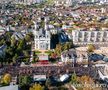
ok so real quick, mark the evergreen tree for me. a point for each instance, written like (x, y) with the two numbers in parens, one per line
(74, 78)
(24, 80)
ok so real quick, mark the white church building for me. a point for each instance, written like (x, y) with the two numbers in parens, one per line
(42, 37)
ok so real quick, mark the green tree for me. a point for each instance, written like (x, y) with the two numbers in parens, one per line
(28, 38)
(15, 58)
(13, 41)
(9, 53)
(26, 54)
(21, 44)
(24, 80)
(74, 78)
(8, 34)
(2, 41)
(50, 2)
(48, 82)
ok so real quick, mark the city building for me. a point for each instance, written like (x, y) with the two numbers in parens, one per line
(26, 2)
(93, 1)
(84, 37)
(103, 72)
(42, 38)
(102, 1)
(63, 2)
(18, 35)
(82, 54)
(68, 56)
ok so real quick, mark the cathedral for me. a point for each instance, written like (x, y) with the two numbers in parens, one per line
(42, 37)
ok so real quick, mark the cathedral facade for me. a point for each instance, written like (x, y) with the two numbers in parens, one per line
(42, 37)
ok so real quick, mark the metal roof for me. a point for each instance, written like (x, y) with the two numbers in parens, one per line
(12, 87)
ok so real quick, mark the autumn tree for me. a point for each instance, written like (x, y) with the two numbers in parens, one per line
(6, 79)
(36, 87)
(58, 49)
(91, 48)
(67, 46)
(86, 83)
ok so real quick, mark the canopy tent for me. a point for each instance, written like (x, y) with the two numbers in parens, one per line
(64, 77)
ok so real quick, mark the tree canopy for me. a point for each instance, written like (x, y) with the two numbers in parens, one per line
(36, 87)
(24, 80)
(91, 48)
(6, 79)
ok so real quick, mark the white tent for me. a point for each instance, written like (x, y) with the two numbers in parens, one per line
(39, 77)
(64, 77)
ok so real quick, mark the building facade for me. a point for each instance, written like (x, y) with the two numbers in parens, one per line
(42, 38)
(81, 37)
(98, 1)
(63, 2)
(26, 2)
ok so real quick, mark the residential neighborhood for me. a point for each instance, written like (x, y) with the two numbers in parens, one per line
(54, 45)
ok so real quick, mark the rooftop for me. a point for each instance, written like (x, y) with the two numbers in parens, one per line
(15, 87)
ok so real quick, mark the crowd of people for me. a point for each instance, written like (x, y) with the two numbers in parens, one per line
(49, 70)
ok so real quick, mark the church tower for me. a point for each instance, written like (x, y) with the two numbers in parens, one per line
(48, 34)
(36, 36)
